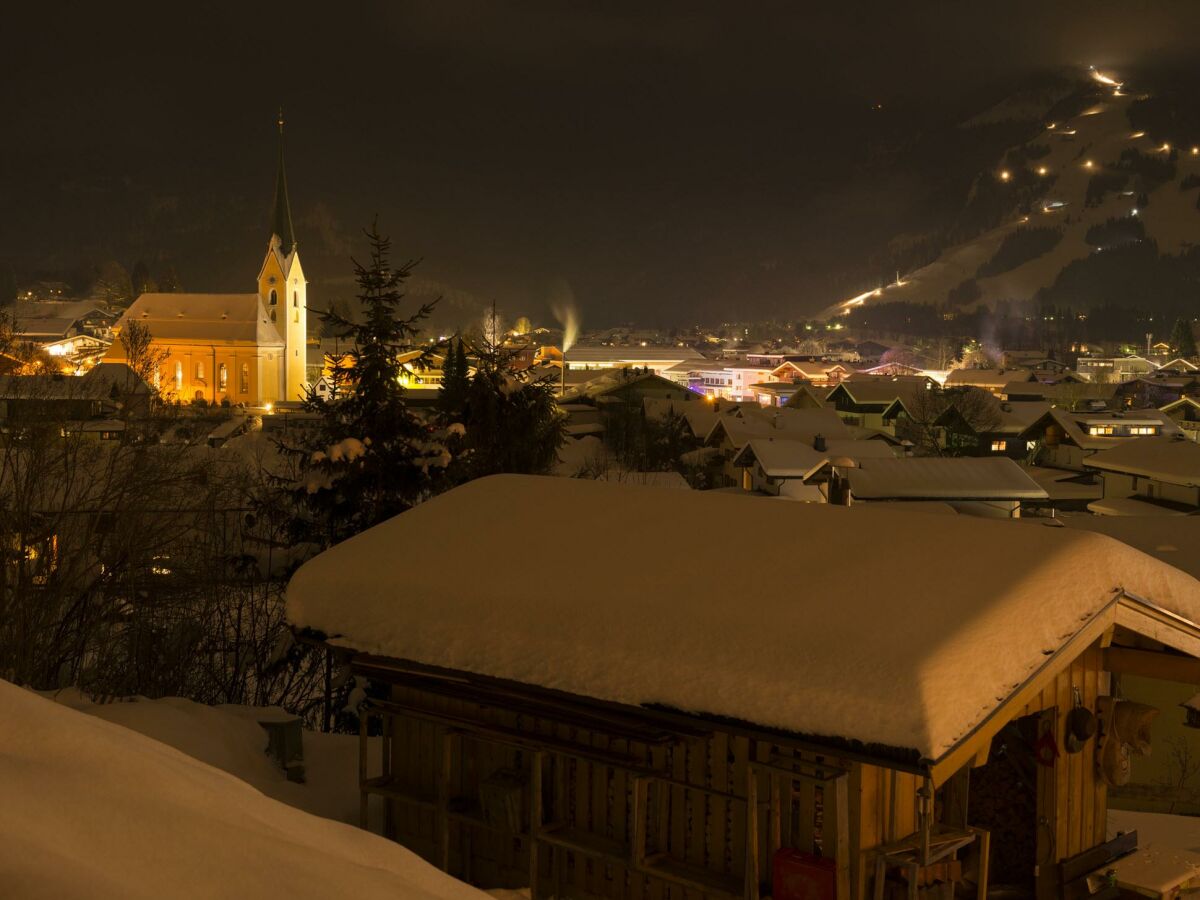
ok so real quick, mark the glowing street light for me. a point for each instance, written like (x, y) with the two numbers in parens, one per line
(1005, 175)
(1088, 164)
(1042, 170)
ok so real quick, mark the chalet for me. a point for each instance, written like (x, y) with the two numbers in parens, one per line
(1148, 476)
(1064, 439)
(628, 385)
(994, 431)
(1113, 368)
(661, 728)
(871, 401)
(1157, 390)
(992, 380)
(806, 397)
(1069, 395)
(1180, 366)
(982, 487)
(108, 391)
(779, 463)
(656, 359)
(1186, 413)
(48, 321)
(769, 464)
(816, 372)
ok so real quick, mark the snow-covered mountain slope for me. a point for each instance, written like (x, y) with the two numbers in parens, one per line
(1075, 150)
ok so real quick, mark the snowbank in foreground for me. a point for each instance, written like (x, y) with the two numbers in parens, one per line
(229, 738)
(896, 628)
(91, 809)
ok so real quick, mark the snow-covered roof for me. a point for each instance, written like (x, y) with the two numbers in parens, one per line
(868, 650)
(1173, 460)
(782, 458)
(987, 378)
(943, 478)
(203, 317)
(93, 809)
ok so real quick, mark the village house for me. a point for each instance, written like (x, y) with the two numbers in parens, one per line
(993, 431)
(859, 738)
(992, 380)
(817, 373)
(798, 467)
(1064, 439)
(1076, 396)
(656, 359)
(876, 401)
(994, 487)
(1113, 368)
(1186, 413)
(1148, 476)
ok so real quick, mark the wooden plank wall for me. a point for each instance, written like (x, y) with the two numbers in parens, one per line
(702, 829)
(1072, 799)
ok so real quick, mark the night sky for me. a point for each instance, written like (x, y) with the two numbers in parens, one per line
(661, 162)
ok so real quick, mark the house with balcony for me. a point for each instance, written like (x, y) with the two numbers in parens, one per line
(1064, 440)
(1148, 476)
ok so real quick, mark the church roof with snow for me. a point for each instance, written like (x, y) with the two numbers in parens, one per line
(204, 317)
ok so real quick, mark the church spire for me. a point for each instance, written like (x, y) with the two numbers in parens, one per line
(281, 223)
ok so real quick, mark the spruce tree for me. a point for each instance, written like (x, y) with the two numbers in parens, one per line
(1182, 339)
(455, 381)
(371, 457)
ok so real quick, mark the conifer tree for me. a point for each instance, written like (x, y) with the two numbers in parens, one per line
(456, 380)
(371, 457)
(1182, 339)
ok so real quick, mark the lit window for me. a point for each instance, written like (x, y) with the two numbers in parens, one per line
(199, 371)
(178, 376)
(244, 380)
(222, 376)
(999, 446)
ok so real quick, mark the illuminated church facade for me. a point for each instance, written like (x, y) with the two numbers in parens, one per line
(244, 348)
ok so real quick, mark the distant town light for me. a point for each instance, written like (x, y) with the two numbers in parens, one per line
(1005, 175)
(1042, 170)
(1088, 164)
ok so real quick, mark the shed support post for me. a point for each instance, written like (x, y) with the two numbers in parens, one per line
(751, 877)
(535, 823)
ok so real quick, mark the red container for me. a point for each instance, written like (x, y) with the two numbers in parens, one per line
(797, 875)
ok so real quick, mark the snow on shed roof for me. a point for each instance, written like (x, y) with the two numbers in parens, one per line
(1174, 460)
(944, 478)
(782, 458)
(866, 651)
(203, 317)
(94, 809)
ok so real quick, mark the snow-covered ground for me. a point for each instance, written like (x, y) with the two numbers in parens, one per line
(1168, 854)
(229, 738)
(92, 809)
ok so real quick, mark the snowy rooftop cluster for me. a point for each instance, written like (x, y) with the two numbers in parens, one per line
(900, 629)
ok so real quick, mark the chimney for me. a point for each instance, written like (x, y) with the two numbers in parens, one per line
(819, 443)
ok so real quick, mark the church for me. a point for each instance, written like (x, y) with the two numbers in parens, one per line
(245, 348)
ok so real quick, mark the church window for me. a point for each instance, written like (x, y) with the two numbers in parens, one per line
(178, 376)
(295, 298)
(222, 376)
(199, 371)
(296, 316)
(272, 315)
(274, 297)
(244, 382)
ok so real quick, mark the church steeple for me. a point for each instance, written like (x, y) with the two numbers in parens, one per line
(281, 223)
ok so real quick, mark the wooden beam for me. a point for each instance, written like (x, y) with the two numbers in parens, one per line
(981, 737)
(1149, 664)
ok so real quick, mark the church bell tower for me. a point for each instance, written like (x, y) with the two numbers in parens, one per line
(284, 289)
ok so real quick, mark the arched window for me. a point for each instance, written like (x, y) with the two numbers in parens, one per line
(222, 376)
(296, 298)
(200, 371)
(274, 297)
(244, 381)
(272, 315)
(178, 376)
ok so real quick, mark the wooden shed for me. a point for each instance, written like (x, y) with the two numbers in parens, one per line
(659, 726)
